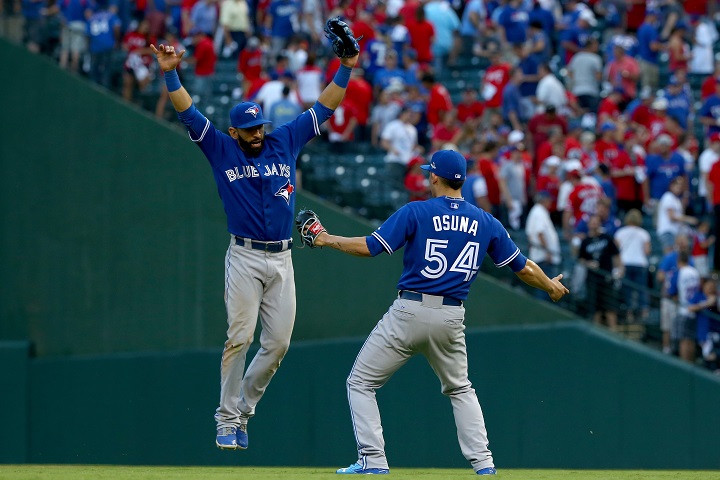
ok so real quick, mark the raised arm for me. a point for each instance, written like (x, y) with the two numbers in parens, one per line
(335, 91)
(168, 60)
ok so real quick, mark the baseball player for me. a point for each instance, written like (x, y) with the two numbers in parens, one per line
(255, 176)
(445, 240)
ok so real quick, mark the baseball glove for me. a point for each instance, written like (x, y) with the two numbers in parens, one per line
(341, 38)
(309, 226)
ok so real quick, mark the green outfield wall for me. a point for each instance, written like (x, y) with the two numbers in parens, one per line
(562, 395)
(112, 235)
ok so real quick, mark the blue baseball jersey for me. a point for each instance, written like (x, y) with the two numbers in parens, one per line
(711, 108)
(258, 193)
(445, 242)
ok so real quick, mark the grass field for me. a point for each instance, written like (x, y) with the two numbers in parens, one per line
(99, 472)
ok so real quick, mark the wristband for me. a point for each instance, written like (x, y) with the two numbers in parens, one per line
(172, 80)
(342, 76)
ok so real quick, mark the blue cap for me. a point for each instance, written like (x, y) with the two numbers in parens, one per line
(247, 115)
(447, 164)
(608, 126)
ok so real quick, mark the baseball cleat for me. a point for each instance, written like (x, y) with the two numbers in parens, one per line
(487, 471)
(242, 437)
(356, 468)
(227, 438)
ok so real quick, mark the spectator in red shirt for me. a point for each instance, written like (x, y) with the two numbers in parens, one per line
(549, 181)
(204, 58)
(439, 100)
(641, 115)
(625, 172)
(447, 131)
(341, 126)
(606, 147)
(707, 89)
(415, 182)
(713, 188)
(623, 72)
(489, 170)
(470, 108)
(554, 144)
(657, 120)
(359, 94)
(496, 77)
(363, 27)
(540, 124)
(250, 66)
(422, 34)
(609, 108)
(136, 72)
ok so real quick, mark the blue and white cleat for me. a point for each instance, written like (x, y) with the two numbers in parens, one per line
(242, 437)
(357, 469)
(487, 471)
(227, 438)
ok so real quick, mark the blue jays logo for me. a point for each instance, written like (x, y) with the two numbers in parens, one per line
(253, 111)
(285, 191)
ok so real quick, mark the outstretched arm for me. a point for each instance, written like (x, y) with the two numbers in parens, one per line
(354, 246)
(533, 275)
(168, 60)
(335, 91)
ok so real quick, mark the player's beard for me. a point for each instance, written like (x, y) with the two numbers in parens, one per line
(248, 147)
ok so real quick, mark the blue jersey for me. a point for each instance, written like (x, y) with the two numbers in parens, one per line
(711, 108)
(284, 17)
(515, 23)
(101, 29)
(679, 108)
(661, 172)
(446, 240)
(257, 192)
(647, 34)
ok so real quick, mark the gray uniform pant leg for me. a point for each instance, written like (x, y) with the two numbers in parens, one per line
(446, 352)
(438, 333)
(256, 283)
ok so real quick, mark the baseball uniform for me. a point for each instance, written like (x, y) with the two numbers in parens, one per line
(258, 194)
(445, 241)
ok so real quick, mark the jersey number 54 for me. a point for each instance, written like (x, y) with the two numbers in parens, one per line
(465, 263)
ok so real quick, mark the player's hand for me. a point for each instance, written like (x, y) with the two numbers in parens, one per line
(559, 290)
(322, 239)
(350, 61)
(167, 58)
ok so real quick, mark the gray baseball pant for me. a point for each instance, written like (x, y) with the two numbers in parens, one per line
(256, 282)
(437, 332)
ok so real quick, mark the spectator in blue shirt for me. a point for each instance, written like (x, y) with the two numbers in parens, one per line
(33, 34)
(514, 23)
(663, 167)
(511, 110)
(389, 73)
(544, 17)
(649, 50)
(540, 48)
(72, 39)
(103, 32)
(710, 111)
(204, 16)
(283, 111)
(679, 104)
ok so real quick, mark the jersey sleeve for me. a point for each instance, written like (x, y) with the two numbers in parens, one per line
(393, 234)
(202, 132)
(305, 127)
(502, 249)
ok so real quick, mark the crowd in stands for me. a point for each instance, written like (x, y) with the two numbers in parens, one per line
(593, 127)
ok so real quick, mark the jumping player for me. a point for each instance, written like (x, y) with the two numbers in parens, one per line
(255, 175)
(445, 240)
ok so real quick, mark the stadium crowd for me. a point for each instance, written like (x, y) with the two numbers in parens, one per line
(593, 127)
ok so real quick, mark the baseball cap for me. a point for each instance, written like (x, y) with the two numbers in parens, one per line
(516, 136)
(664, 139)
(715, 137)
(247, 115)
(660, 104)
(608, 126)
(552, 161)
(587, 15)
(447, 164)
